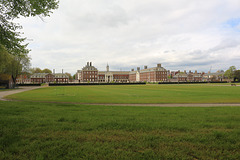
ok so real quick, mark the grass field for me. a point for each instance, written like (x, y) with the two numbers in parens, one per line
(32, 130)
(37, 130)
(134, 94)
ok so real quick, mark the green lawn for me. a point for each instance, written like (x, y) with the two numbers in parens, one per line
(135, 94)
(32, 130)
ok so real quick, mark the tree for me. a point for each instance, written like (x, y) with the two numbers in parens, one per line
(13, 65)
(16, 65)
(11, 9)
(237, 75)
(4, 58)
(35, 70)
(46, 70)
(12, 46)
(230, 72)
(38, 70)
(74, 76)
(69, 75)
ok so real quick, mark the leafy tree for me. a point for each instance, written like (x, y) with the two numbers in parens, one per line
(16, 65)
(11, 9)
(12, 46)
(46, 70)
(230, 72)
(4, 58)
(69, 75)
(237, 75)
(34, 70)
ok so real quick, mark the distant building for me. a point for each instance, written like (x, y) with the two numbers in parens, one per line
(188, 77)
(23, 79)
(215, 76)
(154, 74)
(49, 78)
(89, 73)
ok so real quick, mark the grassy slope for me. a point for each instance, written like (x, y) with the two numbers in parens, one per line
(135, 94)
(60, 131)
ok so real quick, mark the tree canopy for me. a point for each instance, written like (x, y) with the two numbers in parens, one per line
(230, 72)
(46, 70)
(38, 70)
(237, 75)
(13, 50)
(69, 75)
(11, 9)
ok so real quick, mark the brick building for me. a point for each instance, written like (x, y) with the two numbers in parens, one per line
(154, 74)
(49, 78)
(90, 73)
(188, 77)
(23, 79)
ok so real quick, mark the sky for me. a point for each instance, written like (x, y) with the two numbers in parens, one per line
(179, 34)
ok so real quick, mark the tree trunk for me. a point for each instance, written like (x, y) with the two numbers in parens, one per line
(14, 81)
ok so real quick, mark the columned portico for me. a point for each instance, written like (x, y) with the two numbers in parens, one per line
(108, 77)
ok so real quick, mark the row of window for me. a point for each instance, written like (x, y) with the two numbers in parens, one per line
(90, 76)
(90, 80)
(161, 72)
(91, 72)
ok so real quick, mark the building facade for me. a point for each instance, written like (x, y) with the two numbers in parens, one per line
(188, 77)
(49, 78)
(154, 74)
(89, 73)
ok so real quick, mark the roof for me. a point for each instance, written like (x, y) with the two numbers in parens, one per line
(180, 75)
(89, 68)
(215, 73)
(43, 75)
(113, 72)
(153, 69)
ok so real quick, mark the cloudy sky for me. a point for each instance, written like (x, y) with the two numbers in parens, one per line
(179, 34)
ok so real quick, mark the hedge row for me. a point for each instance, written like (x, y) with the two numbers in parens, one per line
(191, 82)
(29, 84)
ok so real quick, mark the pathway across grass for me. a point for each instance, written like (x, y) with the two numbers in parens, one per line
(6, 92)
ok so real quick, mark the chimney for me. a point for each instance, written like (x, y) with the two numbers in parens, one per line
(62, 71)
(87, 63)
(190, 71)
(159, 65)
(145, 67)
(53, 71)
(195, 71)
(138, 68)
(90, 63)
(185, 71)
(133, 69)
(178, 71)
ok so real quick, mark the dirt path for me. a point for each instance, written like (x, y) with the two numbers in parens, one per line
(171, 104)
(21, 89)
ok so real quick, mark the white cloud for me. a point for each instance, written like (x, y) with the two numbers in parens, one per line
(180, 34)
